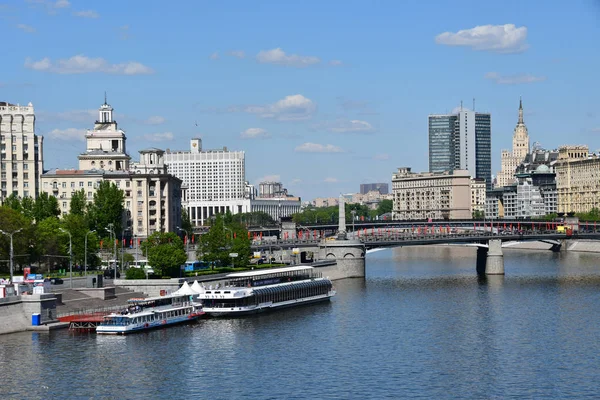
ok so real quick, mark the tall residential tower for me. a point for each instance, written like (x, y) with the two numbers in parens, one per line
(461, 141)
(22, 155)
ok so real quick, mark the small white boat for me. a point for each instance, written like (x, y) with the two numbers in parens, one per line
(150, 313)
(256, 291)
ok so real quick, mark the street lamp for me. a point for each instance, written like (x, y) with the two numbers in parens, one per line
(111, 231)
(85, 251)
(187, 242)
(10, 234)
(70, 257)
(353, 212)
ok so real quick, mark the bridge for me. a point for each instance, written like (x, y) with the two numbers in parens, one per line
(488, 238)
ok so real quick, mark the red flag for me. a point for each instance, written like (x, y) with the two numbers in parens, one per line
(192, 238)
(124, 242)
(130, 242)
(139, 242)
(248, 235)
(261, 235)
(101, 244)
(185, 239)
(117, 242)
(234, 235)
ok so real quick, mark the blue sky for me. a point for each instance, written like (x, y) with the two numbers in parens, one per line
(322, 95)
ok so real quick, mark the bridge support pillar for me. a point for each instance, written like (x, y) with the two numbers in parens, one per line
(349, 256)
(482, 253)
(495, 258)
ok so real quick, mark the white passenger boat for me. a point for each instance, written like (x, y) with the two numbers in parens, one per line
(256, 291)
(150, 313)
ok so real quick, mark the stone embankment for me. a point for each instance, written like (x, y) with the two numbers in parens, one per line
(589, 246)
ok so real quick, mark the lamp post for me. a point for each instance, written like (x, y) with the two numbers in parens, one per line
(111, 231)
(353, 212)
(10, 234)
(85, 253)
(187, 242)
(70, 257)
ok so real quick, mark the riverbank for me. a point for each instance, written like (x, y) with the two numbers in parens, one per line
(587, 246)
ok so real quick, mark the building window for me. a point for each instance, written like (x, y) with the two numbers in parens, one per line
(25, 167)
(80, 184)
(90, 184)
(72, 185)
(64, 204)
(64, 185)
(89, 195)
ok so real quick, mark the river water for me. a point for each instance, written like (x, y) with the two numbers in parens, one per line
(421, 325)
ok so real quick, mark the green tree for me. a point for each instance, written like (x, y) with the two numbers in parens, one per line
(13, 201)
(385, 206)
(77, 225)
(223, 239)
(11, 221)
(256, 218)
(135, 273)
(107, 208)
(49, 243)
(165, 253)
(478, 214)
(45, 207)
(28, 207)
(240, 244)
(78, 203)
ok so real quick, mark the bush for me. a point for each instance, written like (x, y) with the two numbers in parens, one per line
(135, 273)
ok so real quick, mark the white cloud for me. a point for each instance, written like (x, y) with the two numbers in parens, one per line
(513, 79)
(237, 53)
(381, 157)
(83, 116)
(81, 64)
(86, 14)
(270, 178)
(155, 120)
(352, 126)
(68, 134)
(330, 180)
(335, 63)
(498, 38)
(158, 137)
(62, 4)
(214, 56)
(291, 108)
(255, 133)
(278, 56)
(318, 148)
(26, 28)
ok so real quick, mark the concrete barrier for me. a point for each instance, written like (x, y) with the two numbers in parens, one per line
(16, 311)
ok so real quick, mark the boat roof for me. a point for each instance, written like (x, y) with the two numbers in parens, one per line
(168, 296)
(268, 271)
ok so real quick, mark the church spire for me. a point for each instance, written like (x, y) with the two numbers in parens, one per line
(520, 111)
(105, 103)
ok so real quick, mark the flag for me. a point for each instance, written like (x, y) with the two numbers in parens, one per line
(101, 244)
(234, 235)
(185, 239)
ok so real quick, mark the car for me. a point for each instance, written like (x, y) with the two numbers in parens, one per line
(56, 281)
(110, 274)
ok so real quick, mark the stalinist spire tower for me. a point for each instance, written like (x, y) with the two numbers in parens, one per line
(520, 149)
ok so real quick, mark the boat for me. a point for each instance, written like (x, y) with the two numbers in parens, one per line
(257, 291)
(149, 313)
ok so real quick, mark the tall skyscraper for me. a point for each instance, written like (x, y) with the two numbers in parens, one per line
(461, 141)
(520, 149)
(22, 154)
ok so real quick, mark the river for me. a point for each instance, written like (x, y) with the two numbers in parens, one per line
(421, 325)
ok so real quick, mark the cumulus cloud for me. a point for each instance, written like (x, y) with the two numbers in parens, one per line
(86, 14)
(291, 108)
(330, 180)
(318, 148)
(158, 137)
(254, 133)
(513, 79)
(50, 6)
(155, 120)
(26, 28)
(497, 38)
(81, 64)
(237, 53)
(352, 126)
(68, 134)
(84, 116)
(279, 57)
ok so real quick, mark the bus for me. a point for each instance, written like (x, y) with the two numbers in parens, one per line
(196, 265)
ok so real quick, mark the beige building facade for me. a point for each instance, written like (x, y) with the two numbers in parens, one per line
(22, 155)
(420, 196)
(577, 179)
(152, 196)
(520, 148)
(478, 191)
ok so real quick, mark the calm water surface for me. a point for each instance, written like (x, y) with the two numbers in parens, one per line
(421, 325)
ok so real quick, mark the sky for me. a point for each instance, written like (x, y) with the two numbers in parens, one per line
(321, 95)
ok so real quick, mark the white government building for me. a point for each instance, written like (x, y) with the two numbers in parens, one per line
(152, 196)
(216, 184)
(22, 159)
